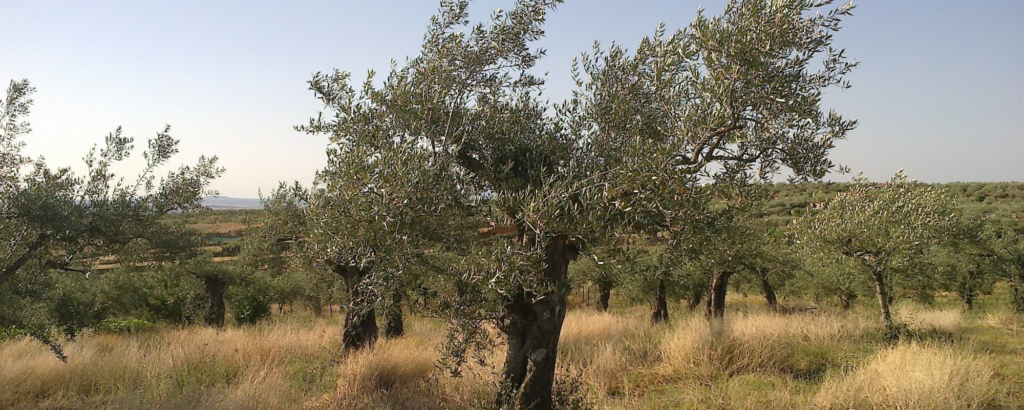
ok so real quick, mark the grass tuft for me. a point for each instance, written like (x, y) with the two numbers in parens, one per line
(913, 376)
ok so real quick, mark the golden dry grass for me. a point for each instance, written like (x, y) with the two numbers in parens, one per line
(923, 319)
(193, 367)
(749, 342)
(913, 376)
(753, 360)
(402, 374)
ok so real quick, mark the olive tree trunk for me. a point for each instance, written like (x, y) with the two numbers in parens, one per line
(716, 294)
(531, 327)
(215, 292)
(881, 290)
(395, 325)
(769, 294)
(360, 317)
(605, 290)
(660, 304)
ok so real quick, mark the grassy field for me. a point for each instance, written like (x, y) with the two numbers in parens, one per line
(755, 360)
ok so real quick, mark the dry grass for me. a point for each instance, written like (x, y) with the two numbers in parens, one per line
(402, 374)
(752, 360)
(606, 348)
(193, 367)
(922, 319)
(750, 342)
(913, 376)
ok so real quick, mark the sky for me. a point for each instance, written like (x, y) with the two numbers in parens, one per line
(939, 92)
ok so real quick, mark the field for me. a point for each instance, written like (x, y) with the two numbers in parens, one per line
(827, 359)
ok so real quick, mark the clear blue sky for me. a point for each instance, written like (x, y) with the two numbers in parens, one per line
(940, 91)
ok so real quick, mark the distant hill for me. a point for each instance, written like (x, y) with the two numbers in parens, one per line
(224, 202)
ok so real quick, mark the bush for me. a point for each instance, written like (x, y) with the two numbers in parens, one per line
(11, 333)
(124, 326)
(174, 297)
(251, 308)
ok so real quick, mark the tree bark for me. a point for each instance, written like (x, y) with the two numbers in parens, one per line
(605, 296)
(967, 291)
(395, 326)
(360, 317)
(215, 292)
(532, 326)
(891, 332)
(769, 294)
(717, 292)
(660, 304)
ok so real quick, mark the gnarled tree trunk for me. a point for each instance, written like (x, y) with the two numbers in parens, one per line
(394, 326)
(532, 329)
(716, 294)
(660, 304)
(360, 317)
(215, 292)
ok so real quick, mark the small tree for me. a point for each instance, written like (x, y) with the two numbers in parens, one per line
(885, 227)
(1008, 248)
(966, 262)
(53, 221)
(603, 269)
(216, 278)
(831, 275)
(386, 195)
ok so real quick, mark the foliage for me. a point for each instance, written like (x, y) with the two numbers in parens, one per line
(463, 122)
(251, 307)
(886, 229)
(53, 222)
(111, 325)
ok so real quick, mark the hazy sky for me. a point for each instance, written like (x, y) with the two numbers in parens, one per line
(940, 89)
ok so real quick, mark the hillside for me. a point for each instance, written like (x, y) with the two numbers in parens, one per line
(1000, 202)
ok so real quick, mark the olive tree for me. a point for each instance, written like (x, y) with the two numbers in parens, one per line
(1007, 246)
(729, 99)
(54, 221)
(966, 262)
(624, 155)
(885, 227)
(386, 196)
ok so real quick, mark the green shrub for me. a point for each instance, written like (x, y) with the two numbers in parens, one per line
(11, 333)
(124, 326)
(251, 308)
